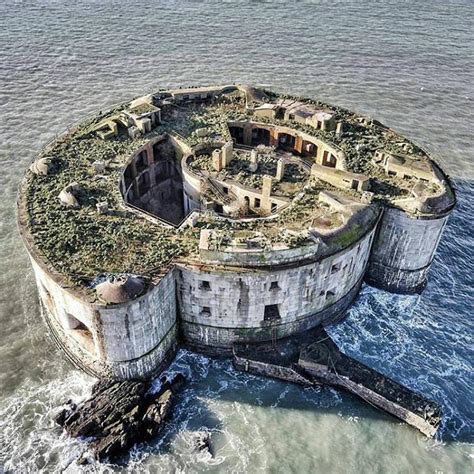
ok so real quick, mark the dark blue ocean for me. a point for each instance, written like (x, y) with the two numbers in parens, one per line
(410, 64)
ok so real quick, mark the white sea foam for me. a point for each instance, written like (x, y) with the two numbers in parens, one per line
(58, 63)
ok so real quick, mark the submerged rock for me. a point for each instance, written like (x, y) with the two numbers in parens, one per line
(119, 414)
(202, 442)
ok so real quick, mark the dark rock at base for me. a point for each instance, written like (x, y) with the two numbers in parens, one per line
(119, 414)
(64, 412)
(203, 442)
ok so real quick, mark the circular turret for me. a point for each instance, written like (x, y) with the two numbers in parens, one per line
(119, 289)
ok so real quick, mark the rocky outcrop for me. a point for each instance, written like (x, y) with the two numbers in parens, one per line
(118, 415)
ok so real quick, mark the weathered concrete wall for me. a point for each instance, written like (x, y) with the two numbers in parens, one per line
(258, 257)
(403, 250)
(271, 370)
(191, 188)
(129, 340)
(133, 329)
(221, 307)
(66, 309)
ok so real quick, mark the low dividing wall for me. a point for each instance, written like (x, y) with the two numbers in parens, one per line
(271, 370)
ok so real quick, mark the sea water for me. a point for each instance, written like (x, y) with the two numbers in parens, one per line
(409, 64)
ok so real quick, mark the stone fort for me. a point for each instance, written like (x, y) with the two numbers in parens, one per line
(212, 216)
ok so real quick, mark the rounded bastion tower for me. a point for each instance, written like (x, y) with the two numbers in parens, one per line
(218, 215)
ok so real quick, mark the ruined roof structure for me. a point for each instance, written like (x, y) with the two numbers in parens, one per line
(212, 216)
(284, 171)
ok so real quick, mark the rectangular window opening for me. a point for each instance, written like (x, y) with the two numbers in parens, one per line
(205, 285)
(272, 313)
(274, 285)
(206, 311)
(79, 331)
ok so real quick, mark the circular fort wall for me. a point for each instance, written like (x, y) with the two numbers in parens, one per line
(403, 250)
(134, 339)
(221, 307)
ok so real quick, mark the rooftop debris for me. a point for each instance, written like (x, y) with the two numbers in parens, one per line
(89, 231)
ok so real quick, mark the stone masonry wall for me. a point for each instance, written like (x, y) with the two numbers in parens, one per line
(222, 307)
(403, 250)
(130, 340)
(133, 329)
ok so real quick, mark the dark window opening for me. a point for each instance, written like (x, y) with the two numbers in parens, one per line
(156, 152)
(218, 208)
(271, 313)
(309, 149)
(225, 190)
(247, 200)
(79, 331)
(260, 136)
(237, 134)
(291, 117)
(141, 162)
(392, 173)
(144, 182)
(274, 206)
(330, 294)
(335, 268)
(257, 202)
(205, 285)
(329, 160)
(286, 141)
(355, 184)
(274, 285)
(206, 311)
